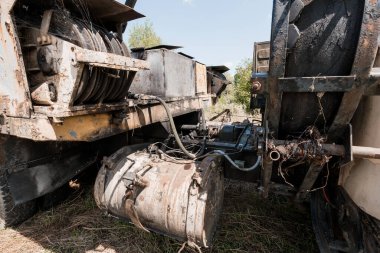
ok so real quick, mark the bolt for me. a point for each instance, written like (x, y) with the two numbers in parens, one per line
(256, 86)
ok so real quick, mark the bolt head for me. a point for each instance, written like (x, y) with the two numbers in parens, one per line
(256, 86)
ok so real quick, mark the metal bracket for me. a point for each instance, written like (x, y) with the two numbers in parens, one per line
(106, 60)
(310, 179)
(318, 84)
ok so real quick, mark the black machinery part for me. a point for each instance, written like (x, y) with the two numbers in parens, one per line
(29, 170)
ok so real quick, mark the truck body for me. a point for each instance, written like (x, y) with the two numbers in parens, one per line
(70, 90)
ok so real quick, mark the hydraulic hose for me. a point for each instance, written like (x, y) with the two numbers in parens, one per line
(172, 125)
(182, 147)
(254, 167)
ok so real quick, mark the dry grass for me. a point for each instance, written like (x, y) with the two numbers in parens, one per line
(248, 224)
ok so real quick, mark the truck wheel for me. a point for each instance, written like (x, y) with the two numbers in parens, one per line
(321, 216)
(329, 33)
(371, 233)
(11, 214)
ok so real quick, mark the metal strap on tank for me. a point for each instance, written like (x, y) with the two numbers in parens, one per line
(194, 221)
(134, 182)
(192, 209)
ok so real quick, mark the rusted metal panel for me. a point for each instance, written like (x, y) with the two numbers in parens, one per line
(279, 38)
(14, 90)
(105, 60)
(90, 127)
(261, 57)
(201, 78)
(114, 13)
(216, 80)
(170, 75)
(277, 62)
(182, 200)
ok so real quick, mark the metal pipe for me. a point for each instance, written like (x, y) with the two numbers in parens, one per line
(275, 155)
(331, 149)
(366, 152)
(171, 121)
(189, 127)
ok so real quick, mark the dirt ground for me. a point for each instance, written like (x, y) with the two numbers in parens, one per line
(248, 224)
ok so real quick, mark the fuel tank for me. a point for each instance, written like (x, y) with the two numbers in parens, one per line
(361, 178)
(181, 199)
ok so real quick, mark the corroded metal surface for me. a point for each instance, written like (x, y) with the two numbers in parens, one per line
(180, 199)
(277, 62)
(111, 61)
(261, 55)
(14, 90)
(74, 68)
(36, 168)
(84, 127)
(170, 75)
(216, 80)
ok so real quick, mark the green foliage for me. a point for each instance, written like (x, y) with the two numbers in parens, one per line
(143, 35)
(237, 96)
(242, 81)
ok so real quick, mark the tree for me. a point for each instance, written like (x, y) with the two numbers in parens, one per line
(242, 83)
(143, 35)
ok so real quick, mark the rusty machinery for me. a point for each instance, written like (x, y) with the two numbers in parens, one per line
(316, 83)
(65, 76)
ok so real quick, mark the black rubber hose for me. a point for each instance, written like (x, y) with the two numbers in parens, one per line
(172, 125)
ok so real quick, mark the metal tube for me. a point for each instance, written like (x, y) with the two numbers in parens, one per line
(172, 124)
(332, 149)
(366, 152)
(274, 155)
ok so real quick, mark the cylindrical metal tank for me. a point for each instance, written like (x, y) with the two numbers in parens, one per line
(361, 180)
(181, 199)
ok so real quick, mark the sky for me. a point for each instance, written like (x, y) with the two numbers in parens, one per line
(215, 32)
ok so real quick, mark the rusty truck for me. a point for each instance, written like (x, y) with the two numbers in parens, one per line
(71, 92)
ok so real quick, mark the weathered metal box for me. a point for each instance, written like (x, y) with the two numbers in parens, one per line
(170, 75)
(261, 57)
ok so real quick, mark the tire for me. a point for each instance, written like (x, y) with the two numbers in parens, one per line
(11, 214)
(326, 47)
(322, 223)
(329, 36)
(371, 233)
